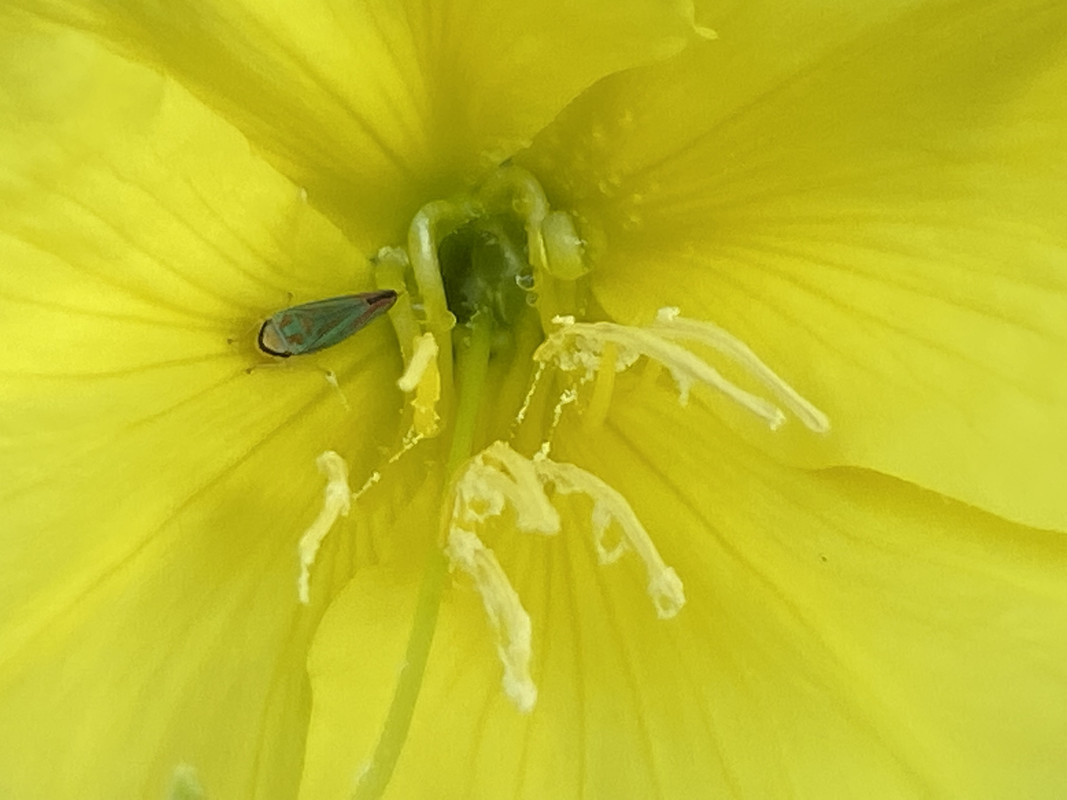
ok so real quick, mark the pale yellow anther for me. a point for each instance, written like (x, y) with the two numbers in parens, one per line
(424, 377)
(507, 617)
(564, 249)
(610, 508)
(583, 348)
(336, 502)
(499, 478)
(671, 325)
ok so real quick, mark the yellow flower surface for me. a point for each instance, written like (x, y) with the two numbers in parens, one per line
(861, 596)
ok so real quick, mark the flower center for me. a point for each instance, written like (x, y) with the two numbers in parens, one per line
(486, 270)
(480, 280)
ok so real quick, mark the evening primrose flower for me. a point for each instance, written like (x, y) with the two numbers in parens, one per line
(725, 373)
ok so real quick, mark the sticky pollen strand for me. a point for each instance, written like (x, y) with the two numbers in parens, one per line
(336, 503)
(433, 221)
(524, 409)
(372, 480)
(566, 398)
(507, 617)
(411, 439)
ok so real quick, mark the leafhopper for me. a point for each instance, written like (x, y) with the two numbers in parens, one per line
(313, 326)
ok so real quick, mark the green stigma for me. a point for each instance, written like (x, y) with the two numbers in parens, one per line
(485, 267)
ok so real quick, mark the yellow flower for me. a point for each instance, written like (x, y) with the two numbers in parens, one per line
(869, 199)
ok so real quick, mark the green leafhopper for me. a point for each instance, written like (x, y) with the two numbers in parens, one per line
(308, 327)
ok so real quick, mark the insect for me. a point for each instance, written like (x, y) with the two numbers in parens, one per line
(313, 326)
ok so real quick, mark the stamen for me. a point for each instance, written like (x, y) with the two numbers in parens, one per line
(507, 617)
(424, 378)
(580, 347)
(499, 477)
(430, 224)
(664, 586)
(391, 264)
(671, 325)
(472, 363)
(553, 250)
(564, 249)
(336, 503)
(529, 202)
(424, 351)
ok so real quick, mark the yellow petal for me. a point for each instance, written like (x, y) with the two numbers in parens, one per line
(881, 220)
(154, 491)
(377, 107)
(846, 635)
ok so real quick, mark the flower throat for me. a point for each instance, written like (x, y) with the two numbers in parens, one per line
(497, 279)
(485, 269)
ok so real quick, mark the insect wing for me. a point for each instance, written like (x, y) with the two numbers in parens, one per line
(322, 323)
